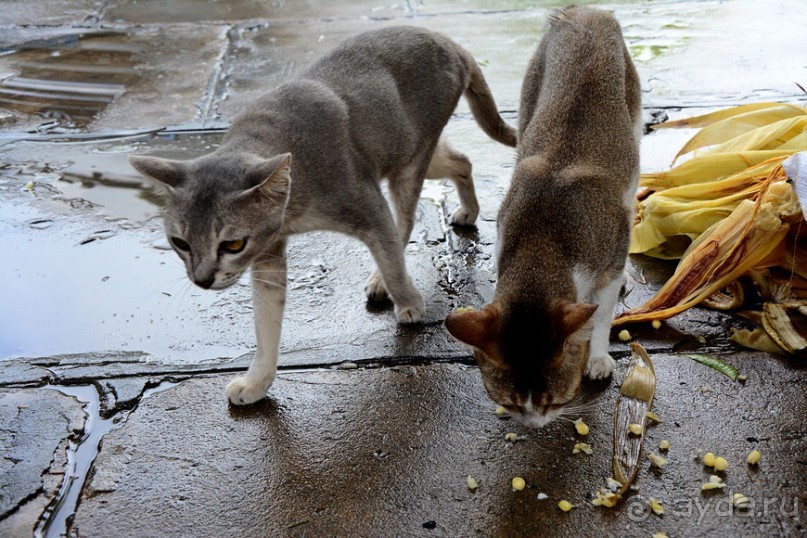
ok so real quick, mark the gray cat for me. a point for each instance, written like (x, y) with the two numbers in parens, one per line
(372, 108)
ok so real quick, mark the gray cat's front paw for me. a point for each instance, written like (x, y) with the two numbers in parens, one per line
(600, 367)
(374, 288)
(412, 312)
(462, 217)
(244, 391)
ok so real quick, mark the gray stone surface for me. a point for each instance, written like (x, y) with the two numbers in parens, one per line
(383, 451)
(34, 427)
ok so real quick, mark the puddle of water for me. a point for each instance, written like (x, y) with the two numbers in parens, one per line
(68, 79)
(55, 521)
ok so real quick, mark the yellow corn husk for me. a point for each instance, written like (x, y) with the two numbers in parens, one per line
(709, 167)
(728, 299)
(734, 112)
(777, 324)
(728, 250)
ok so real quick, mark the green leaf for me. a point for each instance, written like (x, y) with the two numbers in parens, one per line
(724, 368)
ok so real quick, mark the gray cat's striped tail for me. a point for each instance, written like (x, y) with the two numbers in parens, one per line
(483, 107)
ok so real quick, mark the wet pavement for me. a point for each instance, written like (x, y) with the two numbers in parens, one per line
(113, 367)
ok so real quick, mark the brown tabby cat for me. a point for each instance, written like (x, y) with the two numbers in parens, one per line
(564, 226)
(372, 108)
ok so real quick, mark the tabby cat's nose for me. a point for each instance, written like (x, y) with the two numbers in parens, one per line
(205, 283)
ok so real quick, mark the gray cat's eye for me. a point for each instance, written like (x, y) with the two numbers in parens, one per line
(181, 244)
(233, 247)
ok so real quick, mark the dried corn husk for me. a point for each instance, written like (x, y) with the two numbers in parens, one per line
(735, 199)
(634, 402)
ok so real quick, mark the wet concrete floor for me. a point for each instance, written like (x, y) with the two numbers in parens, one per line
(371, 428)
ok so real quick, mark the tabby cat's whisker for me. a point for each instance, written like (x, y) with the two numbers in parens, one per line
(269, 283)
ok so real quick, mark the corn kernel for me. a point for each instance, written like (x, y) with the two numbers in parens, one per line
(464, 309)
(472, 483)
(656, 324)
(664, 444)
(657, 461)
(654, 417)
(660, 535)
(721, 464)
(581, 427)
(740, 501)
(565, 505)
(753, 457)
(709, 459)
(582, 447)
(501, 411)
(655, 506)
(518, 483)
(635, 429)
(742, 378)
(624, 335)
(512, 437)
(715, 482)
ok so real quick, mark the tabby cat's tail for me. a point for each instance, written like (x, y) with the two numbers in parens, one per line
(483, 107)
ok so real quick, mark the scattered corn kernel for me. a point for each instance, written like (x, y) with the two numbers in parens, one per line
(635, 429)
(581, 427)
(753, 457)
(605, 498)
(742, 378)
(518, 483)
(512, 437)
(654, 417)
(657, 461)
(660, 535)
(582, 447)
(500, 411)
(624, 335)
(464, 309)
(664, 444)
(715, 482)
(656, 324)
(655, 506)
(565, 505)
(471, 482)
(740, 501)
(721, 464)
(709, 459)
(614, 485)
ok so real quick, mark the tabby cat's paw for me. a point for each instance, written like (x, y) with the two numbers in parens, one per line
(374, 288)
(463, 217)
(600, 367)
(243, 391)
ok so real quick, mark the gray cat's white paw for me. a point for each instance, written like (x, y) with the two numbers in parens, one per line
(374, 288)
(600, 367)
(462, 217)
(243, 391)
(411, 313)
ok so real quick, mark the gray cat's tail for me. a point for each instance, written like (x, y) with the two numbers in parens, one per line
(483, 107)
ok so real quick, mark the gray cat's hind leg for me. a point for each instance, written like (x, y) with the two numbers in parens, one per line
(450, 163)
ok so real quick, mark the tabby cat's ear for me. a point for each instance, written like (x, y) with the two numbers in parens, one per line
(572, 317)
(164, 172)
(271, 179)
(477, 328)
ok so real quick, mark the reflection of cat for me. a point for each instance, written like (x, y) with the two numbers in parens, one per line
(372, 108)
(564, 226)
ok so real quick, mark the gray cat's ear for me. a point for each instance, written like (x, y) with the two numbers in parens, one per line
(164, 172)
(271, 179)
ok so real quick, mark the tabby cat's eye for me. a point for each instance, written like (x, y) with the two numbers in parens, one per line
(181, 244)
(233, 247)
